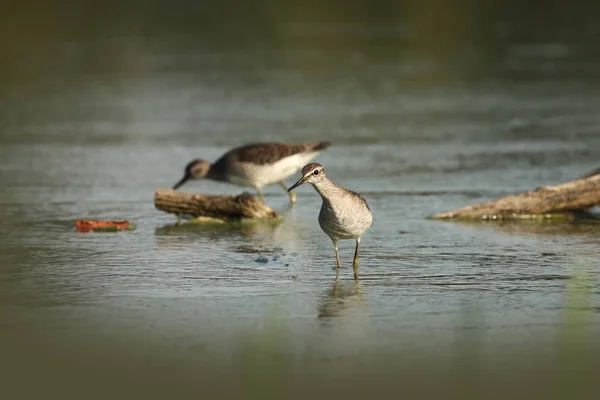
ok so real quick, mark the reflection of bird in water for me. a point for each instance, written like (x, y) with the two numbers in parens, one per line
(344, 322)
(343, 296)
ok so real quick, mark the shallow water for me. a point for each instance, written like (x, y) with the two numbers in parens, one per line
(93, 131)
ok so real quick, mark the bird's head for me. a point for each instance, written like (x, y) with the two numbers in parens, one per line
(195, 169)
(311, 173)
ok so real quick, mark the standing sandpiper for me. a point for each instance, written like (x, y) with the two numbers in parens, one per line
(255, 165)
(344, 213)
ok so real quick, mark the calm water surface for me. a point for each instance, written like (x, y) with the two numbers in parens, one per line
(106, 121)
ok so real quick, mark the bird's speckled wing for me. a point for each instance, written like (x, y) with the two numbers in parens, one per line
(358, 196)
(269, 153)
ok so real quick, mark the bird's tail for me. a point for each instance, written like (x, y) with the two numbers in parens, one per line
(320, 146)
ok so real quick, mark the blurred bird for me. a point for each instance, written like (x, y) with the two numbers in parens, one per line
(255, 165)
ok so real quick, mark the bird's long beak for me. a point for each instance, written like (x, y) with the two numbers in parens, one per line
(295, 185)
(181, 182)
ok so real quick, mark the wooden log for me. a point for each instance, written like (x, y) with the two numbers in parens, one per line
(560, 201)
(213, 207)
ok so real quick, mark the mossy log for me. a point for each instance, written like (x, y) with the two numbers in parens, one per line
(560, 201)
(213, 207)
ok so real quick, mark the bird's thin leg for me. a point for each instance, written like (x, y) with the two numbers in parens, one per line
(292, 195)
(337, 255)
(355, 263)
(356, 252)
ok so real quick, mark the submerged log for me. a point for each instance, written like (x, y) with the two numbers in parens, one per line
(213, 207)
(564, 200)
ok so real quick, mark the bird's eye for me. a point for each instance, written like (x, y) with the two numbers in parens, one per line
(316, 172)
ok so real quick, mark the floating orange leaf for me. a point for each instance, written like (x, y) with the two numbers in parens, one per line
(88, 225)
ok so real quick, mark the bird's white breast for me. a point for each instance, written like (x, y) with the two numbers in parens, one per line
(268, 174)
(340, 220)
